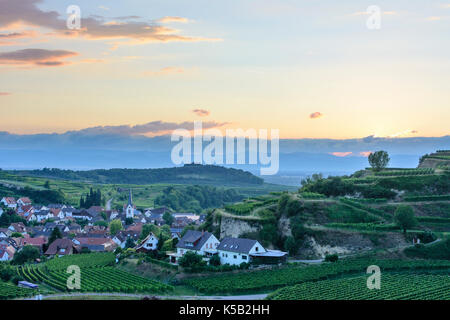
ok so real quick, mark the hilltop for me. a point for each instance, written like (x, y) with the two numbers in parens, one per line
(438, 160)
(187, 174)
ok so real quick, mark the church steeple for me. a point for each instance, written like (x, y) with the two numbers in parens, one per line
(130, 199)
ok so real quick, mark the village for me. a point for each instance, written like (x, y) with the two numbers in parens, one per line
(58, 230)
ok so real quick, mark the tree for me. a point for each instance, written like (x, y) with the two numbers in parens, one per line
(16, 235)
(6, 271)
(115, 226)
(168, 218)
(215, 260)
(128, 221)
(56, 234)
(379, 160)
(191, 260)
(147, 229)
(290, 245)
(130, 243)
(47, 184)
(404, 217)
(28, 253)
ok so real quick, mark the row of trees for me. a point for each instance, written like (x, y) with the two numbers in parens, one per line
(93, 198)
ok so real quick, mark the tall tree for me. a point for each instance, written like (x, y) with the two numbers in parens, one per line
(379, 160)
(404, 216)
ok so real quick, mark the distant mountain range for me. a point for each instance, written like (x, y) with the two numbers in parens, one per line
(79, 150)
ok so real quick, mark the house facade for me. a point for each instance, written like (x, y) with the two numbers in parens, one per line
(234, 251)
(150, 243)
(202, 243)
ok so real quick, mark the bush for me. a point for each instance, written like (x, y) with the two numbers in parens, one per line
(191, 260)
(214, 261)
(331, 258)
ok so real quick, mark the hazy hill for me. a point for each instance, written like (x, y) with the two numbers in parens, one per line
(188, 174)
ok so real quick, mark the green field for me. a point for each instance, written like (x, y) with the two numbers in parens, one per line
(393, 287)
(260, 281)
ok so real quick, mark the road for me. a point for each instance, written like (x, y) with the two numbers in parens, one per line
(141, 296)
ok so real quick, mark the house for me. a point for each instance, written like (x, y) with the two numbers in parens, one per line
(72, 228)
(157, 211)
(176, 233)
(66, 212)
(150, 243)
(5, 233)
(82, 215)
(9, 202)
(121, 238)
(95, 244)
(6, 252)
(4, 255)
(61, 247)
(200, 242)
(37, 242)
(18, 227)
(1, 212)
(24, 202)
(234, 251)
(135, 227)
(192, 217)
(42, 215)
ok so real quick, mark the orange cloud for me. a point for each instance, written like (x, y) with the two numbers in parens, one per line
(164, 71)
(93, 27)
(173, 19)
(341, 154)
(201, 112)
(315, 115)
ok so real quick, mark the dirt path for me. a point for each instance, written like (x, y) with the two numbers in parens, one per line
(141, 296)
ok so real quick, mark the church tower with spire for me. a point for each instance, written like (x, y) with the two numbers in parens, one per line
(129, 210)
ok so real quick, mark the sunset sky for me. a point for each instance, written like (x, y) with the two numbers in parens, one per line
(311, 69)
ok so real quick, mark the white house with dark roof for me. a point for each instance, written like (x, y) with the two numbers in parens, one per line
(150, 243)
(234, 251)
(202, 243)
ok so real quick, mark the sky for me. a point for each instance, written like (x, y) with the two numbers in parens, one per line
(312, 69)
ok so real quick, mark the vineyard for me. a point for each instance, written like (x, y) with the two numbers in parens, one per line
(271, 279)
(428, 198)
(97, 275)
(393, 287)
(10, 291)
(410, 172)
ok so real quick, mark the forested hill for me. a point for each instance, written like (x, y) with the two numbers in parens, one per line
(188, 174)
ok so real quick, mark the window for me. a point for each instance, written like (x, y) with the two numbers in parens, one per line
(244, 257)
(256, 249)
(235, 256)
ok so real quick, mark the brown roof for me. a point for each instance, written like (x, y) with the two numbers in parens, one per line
(10, 200)
(93, 241)
(56, 246)
(25, 200)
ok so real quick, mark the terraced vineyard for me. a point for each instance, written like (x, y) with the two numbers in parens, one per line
(275, 278)
(10, 291)
(96, 275)
(393, 287)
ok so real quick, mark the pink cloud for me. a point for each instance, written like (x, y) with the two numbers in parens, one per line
(36, 57)
(201, 112)
(365, 153)
(315, 115)
(341, 154)
(5, 93)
